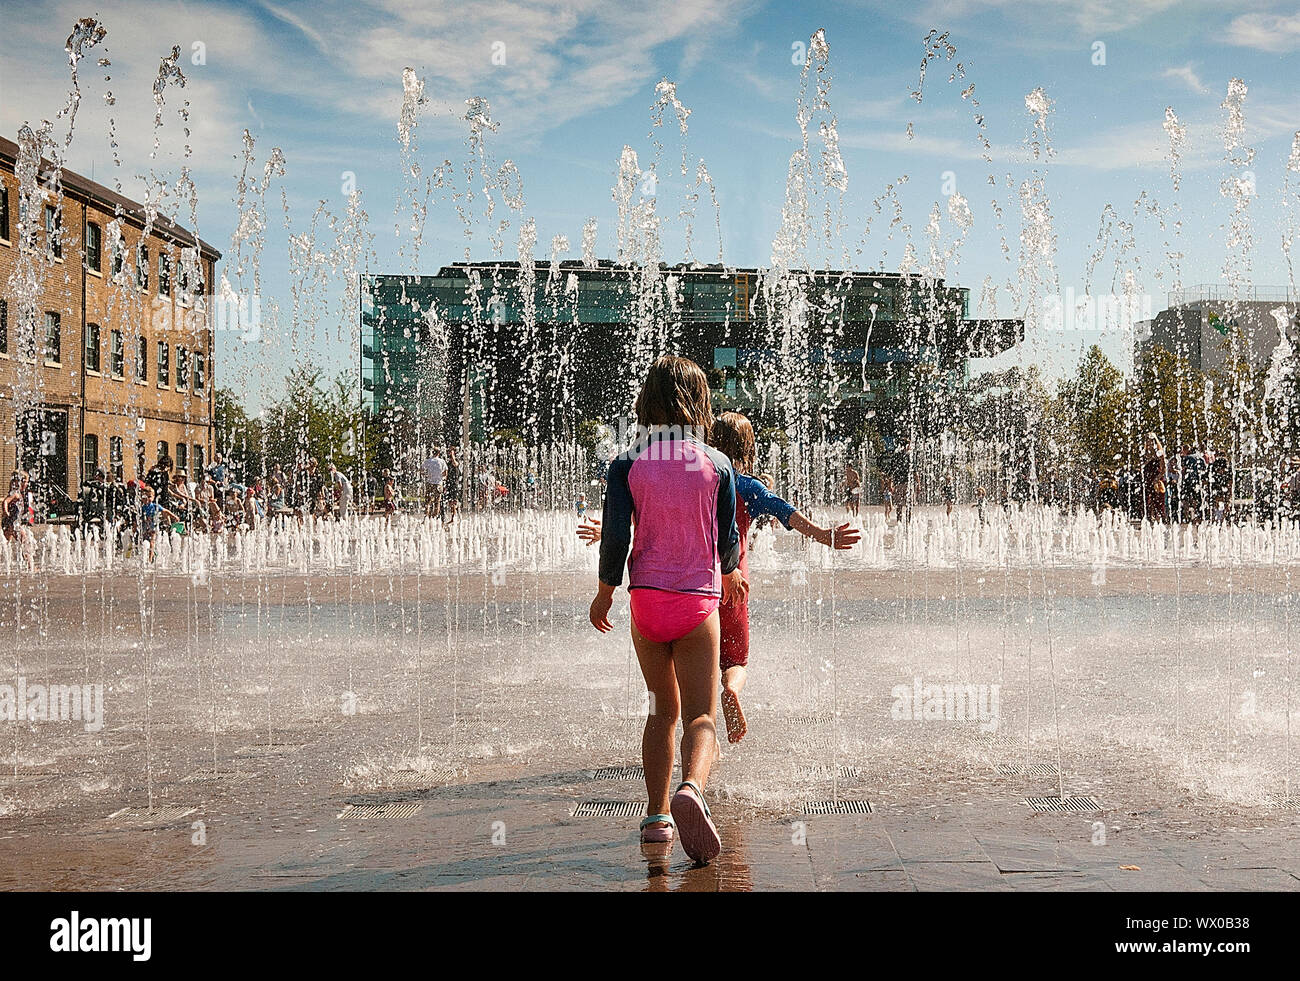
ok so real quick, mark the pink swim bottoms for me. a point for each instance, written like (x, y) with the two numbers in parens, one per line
(663, 616)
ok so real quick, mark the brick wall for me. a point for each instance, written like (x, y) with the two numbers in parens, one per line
(103, 403)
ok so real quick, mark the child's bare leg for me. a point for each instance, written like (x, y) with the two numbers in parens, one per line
(661, 724)
(695, 661)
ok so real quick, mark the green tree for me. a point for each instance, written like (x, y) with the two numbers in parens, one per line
(1094, 402)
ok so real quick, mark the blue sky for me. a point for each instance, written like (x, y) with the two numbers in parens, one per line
(323, 81)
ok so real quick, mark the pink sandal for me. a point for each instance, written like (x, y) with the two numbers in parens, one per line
(700, 838)
(650, 836)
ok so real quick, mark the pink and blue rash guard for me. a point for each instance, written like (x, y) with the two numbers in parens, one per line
(681, 495)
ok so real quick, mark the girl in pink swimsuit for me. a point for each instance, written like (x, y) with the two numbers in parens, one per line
(680, 494)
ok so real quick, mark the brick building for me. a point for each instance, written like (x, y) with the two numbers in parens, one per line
(118, 369)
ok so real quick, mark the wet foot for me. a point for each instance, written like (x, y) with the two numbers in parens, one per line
(734, 716)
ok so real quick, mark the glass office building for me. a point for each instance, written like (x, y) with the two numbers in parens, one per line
(485, 346)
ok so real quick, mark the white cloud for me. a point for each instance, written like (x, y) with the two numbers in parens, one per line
(34, 77)
(293, 20)
(1187, 75)
(1277, 33)
(1091, 18)
(562, 59)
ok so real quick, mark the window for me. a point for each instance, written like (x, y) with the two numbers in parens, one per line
(4, 213)
(89, 456)
(198, 458)
(115, 457)
(93, 261)
(162, 449)
(164, 274)
(53, 232)
(182, 369)
(116, 355)
(142, 359)
(4, 326)
(53, 339)
(142, 267)
(164, 365)
(92, 347)
(188, 276)
(182, 456)
(118, 248)
(199, 365)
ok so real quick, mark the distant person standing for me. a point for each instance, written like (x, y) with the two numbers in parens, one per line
(159, 481)
(435, 472)
(454, 485)
(1155, 476)
(342, 488)
(852, 488)
(276, 490)
(390, 495)
(487, 483)
(94, 500)
(217, 470)
(1192, 483)
(900, 473)
(15, 506)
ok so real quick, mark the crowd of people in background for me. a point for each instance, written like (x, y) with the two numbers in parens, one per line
(1197, 484)
(213, 499)
(1191, 486)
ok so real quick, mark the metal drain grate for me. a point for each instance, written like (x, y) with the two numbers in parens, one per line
(824, 771)
(620, 773)
(11, 780)
(415, 778)
(144, 817)
(837, 807)
(392, 809)
(610, 808)
(1290, 803)
(1021, 769)
(269, 749)
(1076, 804)
(813, 718)
(208, 776)
(814, 741)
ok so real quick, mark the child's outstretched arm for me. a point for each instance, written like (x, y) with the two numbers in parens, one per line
(840, 537)
(615, 540)
(759, 500)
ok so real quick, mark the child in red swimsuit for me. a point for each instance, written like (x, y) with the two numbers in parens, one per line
(733, 434)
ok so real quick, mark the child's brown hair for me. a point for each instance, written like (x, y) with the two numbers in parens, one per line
(676, 393)
(733, 434)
